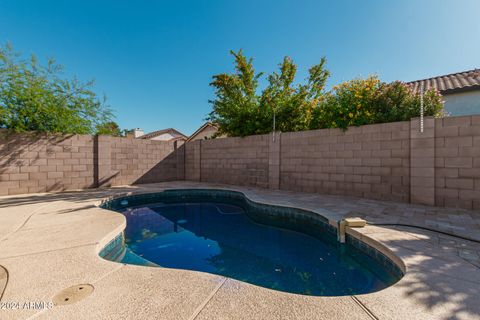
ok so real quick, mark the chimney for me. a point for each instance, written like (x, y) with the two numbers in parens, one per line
(137, 132)
(134, 133)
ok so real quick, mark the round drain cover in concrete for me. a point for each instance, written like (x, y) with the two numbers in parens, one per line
(73, 294)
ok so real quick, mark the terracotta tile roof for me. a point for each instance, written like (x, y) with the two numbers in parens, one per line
(455, 82)
(160, 132)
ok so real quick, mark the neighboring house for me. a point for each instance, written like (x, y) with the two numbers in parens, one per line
(461, 91)
(168, 134)
(206, 131)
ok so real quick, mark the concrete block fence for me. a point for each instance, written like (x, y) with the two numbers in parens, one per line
(37, 162)
(392, 161)
(31, 162)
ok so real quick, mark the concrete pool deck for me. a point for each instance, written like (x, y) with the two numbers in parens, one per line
(49, 242)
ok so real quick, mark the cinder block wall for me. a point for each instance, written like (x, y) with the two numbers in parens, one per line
(39, 163)
(192, 160)
(457, 162)
(392, 161)
(370, 161)
(141, 161)
(239, 161)
(32, 162)
(395, 161)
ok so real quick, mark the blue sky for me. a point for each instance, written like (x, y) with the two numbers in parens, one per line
(154, 59)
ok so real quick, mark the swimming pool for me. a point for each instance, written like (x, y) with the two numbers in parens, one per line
(223, 232)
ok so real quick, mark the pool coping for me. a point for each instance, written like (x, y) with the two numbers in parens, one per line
(380, 304)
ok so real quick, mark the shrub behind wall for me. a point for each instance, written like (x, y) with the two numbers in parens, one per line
(367, 101)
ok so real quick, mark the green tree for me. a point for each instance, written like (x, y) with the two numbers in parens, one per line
(292, 105)
(110, 128)
(236, 108)
(35, 97)
(239, 110)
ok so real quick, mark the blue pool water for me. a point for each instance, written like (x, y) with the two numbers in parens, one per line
(222, 238)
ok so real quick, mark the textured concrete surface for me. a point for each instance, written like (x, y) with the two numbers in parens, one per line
(238, 300)
(50, 242)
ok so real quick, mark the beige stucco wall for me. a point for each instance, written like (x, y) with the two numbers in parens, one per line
(164, 137)
(463, 103)
(206, 133)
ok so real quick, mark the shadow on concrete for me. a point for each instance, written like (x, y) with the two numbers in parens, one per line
(438, 279)
(71, 196)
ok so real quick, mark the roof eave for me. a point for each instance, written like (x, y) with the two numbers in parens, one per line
(460, 90)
